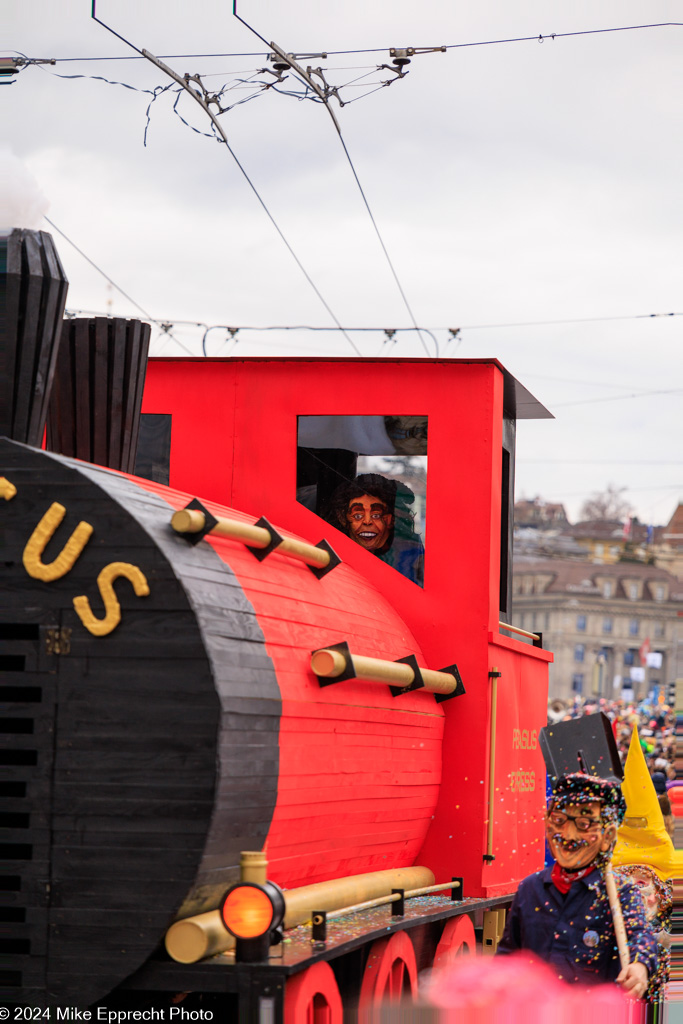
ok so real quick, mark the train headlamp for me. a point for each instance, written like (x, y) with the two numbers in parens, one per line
(252, 913)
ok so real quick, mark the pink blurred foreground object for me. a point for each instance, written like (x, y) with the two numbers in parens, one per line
(521, 989)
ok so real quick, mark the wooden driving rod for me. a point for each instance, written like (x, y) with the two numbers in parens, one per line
(329, 664)
(192, 520)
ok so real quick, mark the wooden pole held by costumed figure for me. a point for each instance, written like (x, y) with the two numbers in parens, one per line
(617, 916)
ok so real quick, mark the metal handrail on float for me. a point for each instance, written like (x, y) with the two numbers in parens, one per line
(536, 637)
(320, 918)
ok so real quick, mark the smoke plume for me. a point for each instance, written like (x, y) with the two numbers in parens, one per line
(22, 204)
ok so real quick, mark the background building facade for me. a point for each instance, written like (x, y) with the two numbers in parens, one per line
(612, 627)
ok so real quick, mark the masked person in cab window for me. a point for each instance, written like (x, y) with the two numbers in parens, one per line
(562, 913)
(374, 512)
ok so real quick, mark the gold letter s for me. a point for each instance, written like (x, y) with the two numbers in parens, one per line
(7, 489)
(100, 627)
(41, 535)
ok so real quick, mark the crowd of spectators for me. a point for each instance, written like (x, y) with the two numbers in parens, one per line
(656, 732)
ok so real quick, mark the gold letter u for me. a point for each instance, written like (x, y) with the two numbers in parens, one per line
(38, 540)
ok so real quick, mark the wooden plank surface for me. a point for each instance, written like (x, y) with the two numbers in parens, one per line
(97, 392)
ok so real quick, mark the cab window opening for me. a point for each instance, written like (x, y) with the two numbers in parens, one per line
(366, 476)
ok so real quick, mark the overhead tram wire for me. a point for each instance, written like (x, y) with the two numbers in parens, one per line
(619, 398)
(99, 270)
(578, 320)
(383, 49)
(600, 462)
(389, 333)
(307, 81)
(385, 251)
(214, 120)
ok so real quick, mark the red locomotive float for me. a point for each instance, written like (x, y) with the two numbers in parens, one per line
(184, 685)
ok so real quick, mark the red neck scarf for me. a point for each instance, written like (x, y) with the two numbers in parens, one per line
(562, 879)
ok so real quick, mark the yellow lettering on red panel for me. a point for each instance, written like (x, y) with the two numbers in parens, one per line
(522, 782)
(524, 740)
(32, 558)
(105, 581)
(7, 489)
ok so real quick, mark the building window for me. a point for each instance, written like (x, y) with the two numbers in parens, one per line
(577, 682)
(659, 629)
(633, 627)
(579, 652)
(630, 657)
(633, 591)
(659, 593)
(607, 625)
(580, 623)
(607, 589)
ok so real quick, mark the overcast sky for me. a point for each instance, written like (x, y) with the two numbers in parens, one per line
(513, 184)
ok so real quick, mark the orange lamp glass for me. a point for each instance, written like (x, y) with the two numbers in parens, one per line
(247, 911)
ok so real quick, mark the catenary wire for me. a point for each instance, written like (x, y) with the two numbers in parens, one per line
(375, 226)
(465, 327)
(363, 196)
(579, 320)
(383, 49)
(601, 462)
(113, 283)
(389, 339)
(619, 398)
(384, 248)
(254, 190)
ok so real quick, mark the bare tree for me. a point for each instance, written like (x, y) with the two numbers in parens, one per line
(608, 504)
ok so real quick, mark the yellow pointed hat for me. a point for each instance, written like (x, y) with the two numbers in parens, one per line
(642, 838)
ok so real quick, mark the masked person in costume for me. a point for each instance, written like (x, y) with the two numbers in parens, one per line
(562, 913)
(374, 512)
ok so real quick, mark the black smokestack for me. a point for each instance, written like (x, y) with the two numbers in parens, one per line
(33, 289)
(94, 411)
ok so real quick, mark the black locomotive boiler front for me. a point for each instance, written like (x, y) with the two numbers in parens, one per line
(118, 818)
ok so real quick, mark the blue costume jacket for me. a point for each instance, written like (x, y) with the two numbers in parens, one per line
(574, 932)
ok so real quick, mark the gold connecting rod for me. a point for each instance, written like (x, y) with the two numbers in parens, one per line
(329, 664)
(192, 520)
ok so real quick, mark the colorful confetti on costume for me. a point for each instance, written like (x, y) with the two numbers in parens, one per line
(658, 909)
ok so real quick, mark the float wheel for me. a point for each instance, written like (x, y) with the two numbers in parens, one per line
(458, 939)
(390, 973)
(313, 997)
